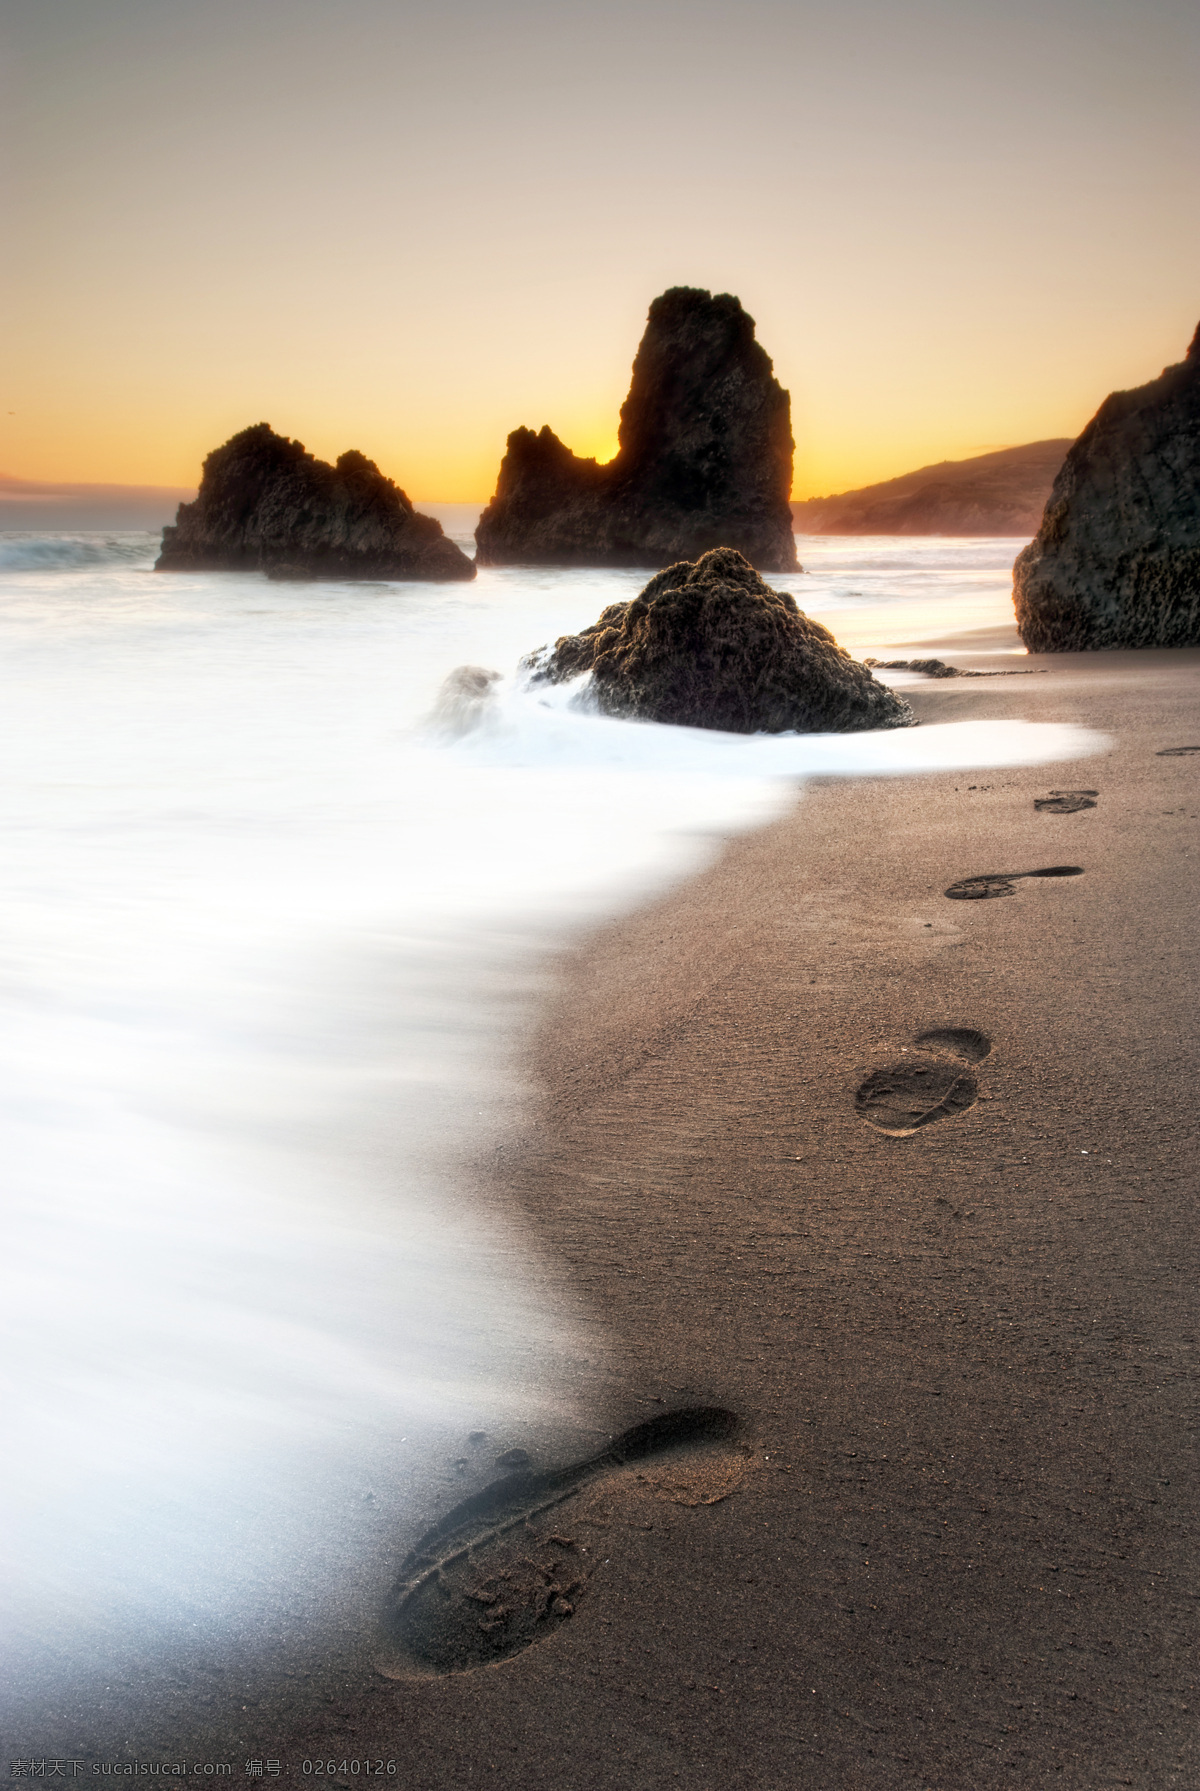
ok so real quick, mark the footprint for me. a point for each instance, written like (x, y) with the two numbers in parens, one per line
(1000, 883)
(513, 1458)
(920, 1088)
(958, 1041)
(501, 1571)
(1066, 802)
(1174, 752)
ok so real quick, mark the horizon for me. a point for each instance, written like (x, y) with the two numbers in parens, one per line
(33, 496)
(412, 234)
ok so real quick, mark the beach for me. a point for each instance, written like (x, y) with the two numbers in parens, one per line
(963, 1555)
(964, 1356)
(600, 810)
(951, 1541)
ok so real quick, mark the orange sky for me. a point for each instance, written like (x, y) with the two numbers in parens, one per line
(957, 225)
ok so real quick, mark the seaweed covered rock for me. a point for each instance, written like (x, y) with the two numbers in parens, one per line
(1116, 562)
(266, 504)
(709, 645)
(705, 458)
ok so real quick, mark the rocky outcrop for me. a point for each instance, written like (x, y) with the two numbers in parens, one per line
(1116, 561)
(705, 458)
(710, 645)
(937, 668)
(1003, 493)
(265, 504)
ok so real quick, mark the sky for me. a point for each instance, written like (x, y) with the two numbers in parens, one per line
(411, 228)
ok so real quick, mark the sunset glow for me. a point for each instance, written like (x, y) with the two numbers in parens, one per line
(391, 229)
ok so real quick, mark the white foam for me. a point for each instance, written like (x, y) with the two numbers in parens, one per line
(268, 934)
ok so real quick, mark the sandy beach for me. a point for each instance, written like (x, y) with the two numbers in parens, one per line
(950, 1542)
(963, 1555)
(599, 1182)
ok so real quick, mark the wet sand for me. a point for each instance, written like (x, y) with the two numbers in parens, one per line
(952, 1542)
(964, 1551)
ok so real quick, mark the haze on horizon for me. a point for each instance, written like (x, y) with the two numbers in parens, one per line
(409, 230)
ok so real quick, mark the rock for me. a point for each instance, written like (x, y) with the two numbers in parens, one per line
(930, 668)
(705, 458)
(464, 701)
(710, 645)
(1003, 493)
(1116, 562)
(937, 668)
(265, 504)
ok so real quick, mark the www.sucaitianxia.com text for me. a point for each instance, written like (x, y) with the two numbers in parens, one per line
(199, 1769)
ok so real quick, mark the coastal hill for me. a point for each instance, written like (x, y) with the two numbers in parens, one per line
(704, 461)
(991, 494)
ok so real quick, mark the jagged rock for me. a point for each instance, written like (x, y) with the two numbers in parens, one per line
(265, 504)
(1116, 562)
(710, 645)
(705, 458)
(1002, 493)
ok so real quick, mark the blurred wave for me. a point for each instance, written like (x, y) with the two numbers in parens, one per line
(278, 895)
(28, 552)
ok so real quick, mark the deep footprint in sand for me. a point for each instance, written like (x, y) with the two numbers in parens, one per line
(1000, 883)
(1065, 802)
(924, 1085)
(508, 1566)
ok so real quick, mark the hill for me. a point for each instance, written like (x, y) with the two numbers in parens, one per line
(991, 494)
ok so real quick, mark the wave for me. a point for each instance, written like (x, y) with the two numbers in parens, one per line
(21, 552)
(274, 921)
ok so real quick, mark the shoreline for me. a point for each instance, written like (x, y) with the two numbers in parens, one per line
(962, 1351)
(698, 1173)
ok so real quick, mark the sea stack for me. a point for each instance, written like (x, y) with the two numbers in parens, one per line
(709, 645)
(265, 504)
(1116, 562)
(704, 459)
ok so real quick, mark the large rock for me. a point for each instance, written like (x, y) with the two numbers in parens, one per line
(1116, 562)
(266, 504)
(705, 458)
(710, 645)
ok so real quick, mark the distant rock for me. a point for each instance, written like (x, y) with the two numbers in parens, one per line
(1116, 561)
(937, 668)
(265, 504)
(705, 458)
(991, 494)
(710, 645)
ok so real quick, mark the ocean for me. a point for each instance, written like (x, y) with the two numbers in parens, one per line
(277, 917)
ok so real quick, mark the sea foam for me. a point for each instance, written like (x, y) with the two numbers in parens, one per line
(276, 911)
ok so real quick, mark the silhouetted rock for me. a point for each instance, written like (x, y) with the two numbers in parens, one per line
(1116, 562)
(1003, 493)
(710, 645)
(265, 504)
(705, 458)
